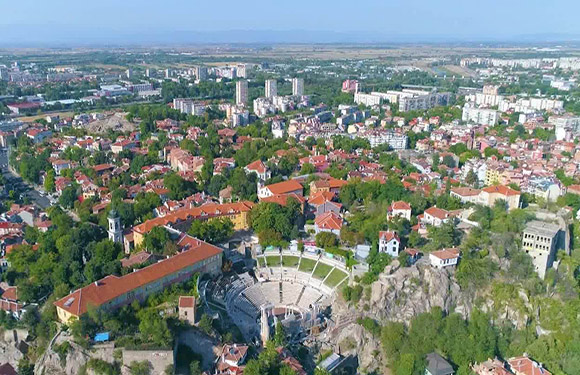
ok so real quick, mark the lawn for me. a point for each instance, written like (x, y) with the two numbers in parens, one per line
(307, 265)
(335, 277)
(321, 270)
(273, 261)
(289, 261)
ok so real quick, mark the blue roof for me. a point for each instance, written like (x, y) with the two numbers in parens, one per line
(102, 336)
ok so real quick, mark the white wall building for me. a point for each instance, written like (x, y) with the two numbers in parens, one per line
(444, 258)
(271, 88)
(480, 116)
(297, 86)
(242, 92)
(389, 243)
(367, 99)
(539, 241)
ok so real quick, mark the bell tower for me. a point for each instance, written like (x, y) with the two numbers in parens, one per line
(115, 232)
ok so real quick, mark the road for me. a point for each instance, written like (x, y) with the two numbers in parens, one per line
(16, 183)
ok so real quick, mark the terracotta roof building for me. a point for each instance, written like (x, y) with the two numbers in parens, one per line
(399, 208)
(328, 222)
(526, 366)
(284, 187)
(491, 367)
(113, 292)
(182, 218)
(444, 257)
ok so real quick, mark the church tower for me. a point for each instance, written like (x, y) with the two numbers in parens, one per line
(115, 232)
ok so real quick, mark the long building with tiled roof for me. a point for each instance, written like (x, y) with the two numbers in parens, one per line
(237, 212)
(113, 292)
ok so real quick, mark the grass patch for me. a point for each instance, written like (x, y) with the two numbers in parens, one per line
(273, 261)
(307, 265)
(321, 271)
(290, 261)
(335, 277)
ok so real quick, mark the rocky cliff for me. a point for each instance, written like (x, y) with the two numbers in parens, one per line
(401, 293)
(73, 360)
(50, 363)
(398, 295)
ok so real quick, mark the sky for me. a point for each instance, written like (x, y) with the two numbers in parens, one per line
(198, 21)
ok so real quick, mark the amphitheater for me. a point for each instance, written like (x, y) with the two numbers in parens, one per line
(289, 282)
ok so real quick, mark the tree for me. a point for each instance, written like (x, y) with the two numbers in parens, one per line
(205, 324)
(25, 367)
(326, 240)
(194, 368)
(140, 368)
(435, 161)
(279, 335)
(449, 161)
(307, 168)
(446, 235)
(471, 178)
(68, 197)
(154, 328)
(274, 222)
(49, 180)
(212, 231)
(156, 239)
(178, 187)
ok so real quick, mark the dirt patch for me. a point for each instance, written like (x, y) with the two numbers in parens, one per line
(116, 122)
(36, 117)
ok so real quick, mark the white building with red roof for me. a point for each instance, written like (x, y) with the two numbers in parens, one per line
(231, 359)
(437, 216)
(444, 257)
(258, 167)
(390, 243)
(525, 366)
(284, 187)
(328, 222)
(399, 208)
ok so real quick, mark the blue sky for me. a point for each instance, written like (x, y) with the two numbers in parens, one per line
(367, 19)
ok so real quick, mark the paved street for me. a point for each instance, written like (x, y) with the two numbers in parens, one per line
(16, 183)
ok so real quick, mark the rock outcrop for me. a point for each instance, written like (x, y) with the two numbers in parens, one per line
(402, 293)
(355, 340)
(50, 363)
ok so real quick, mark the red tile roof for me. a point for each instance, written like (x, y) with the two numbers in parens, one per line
(321, 197)
(465, 191)
(437, 212)
(136, 259)
(388, 236)
(103, 167)
(282, 199)
(111, 287)
(207, 210)
(285, 187)
(525, 366)
(500, 189)
(400, 205)
(447, 253)
(186, 301)
(257, 166)
(329, 220)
